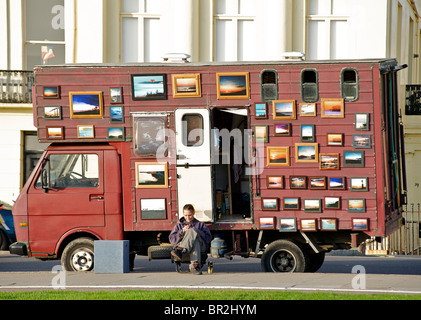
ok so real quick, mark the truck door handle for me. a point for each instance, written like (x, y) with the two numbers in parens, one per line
(96, 197)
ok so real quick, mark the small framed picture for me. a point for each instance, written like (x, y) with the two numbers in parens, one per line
(307, 109)
(283, 130)
(298, 182)
(116, 95)
(153, 209)
(267, 223)
(52, 113)
(284, 109)
(312, 205)
(291, 203)
(260, 110)
(51, 92)
(336, 183)
(317, 183)
(362, 121)
(308, 225)
(306, 152)
(307, 133)
(149, 87)
(115, 133)
(85, 132)
(358, 184)
(186, 85)
(361, 141)
(287, 224)
(332, 203)
(329, 161)
(356, 205)
(353, 158)
(270, 204)
(328, 224)
(277, 156)
(332, 108)
(335, 139)
(261, 133)
(233, 85)
(275, 182)
(55, 133)
(151, 175)
(116, 114)
(359, 224)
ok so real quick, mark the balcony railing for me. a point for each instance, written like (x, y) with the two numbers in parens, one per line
(16, 86)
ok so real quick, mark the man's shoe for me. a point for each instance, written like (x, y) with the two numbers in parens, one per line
(195, 268)
(177, 254)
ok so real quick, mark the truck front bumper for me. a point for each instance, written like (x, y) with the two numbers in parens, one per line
(18, 248)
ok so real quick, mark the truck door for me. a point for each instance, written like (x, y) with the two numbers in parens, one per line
(193, 161)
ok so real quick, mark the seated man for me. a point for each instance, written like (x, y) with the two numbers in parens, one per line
(190, 236)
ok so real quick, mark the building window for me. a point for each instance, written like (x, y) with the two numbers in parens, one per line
(269, 85)
(309, 85)
(349, 84)
(141, 30)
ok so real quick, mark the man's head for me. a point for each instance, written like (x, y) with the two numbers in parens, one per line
(188, 212)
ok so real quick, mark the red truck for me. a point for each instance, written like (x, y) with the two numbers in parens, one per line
(284, 160)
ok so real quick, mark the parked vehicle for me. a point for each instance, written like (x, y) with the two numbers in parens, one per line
(7, 227)
(285, 161)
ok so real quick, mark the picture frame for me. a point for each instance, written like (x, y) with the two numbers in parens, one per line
(153, 209)
(361, 141)
(306, 152)
(149, 87)
(51, 92)
(308, 225)
(52, 113)
(282, 129)
(232, 85)
(116, 114)
(317, 183)
(362, 122)
(308, 110)
(336, 183)
(332, 203)
(332, 108)
(261, 133)
(275, 182)
(360, 224)
(291, 203)
(358, 183)
(86, 104)
(307, 133)
(54, 133)
(353, 159)
(151, 175)
(85, 132)
(329, 224)
(284, 109)
(267, 223)
(260, 110)
(277, 156)
(116, 95)
(335, 139)
(287, 224)
(186, 85)
(298, 182)
(115, 133)
(312, 205)
(329, 161)
(270, 204)
(356, 205)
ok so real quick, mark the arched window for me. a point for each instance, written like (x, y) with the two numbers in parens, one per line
(349, 84)
(309, 85)
(269, 85)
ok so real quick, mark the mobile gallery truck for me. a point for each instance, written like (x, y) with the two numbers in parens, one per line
(283, 160)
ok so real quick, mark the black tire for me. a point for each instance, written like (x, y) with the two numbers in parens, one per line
(284, 256)
(78, 255)
(315, 261)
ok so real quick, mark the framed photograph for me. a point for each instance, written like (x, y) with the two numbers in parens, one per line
(51, 92)
(312, 205)
(328, 224)
(335, 139)
(336, 183)
(361, 141)
(308, 224)
(267, 223)
(85, 132)
(277, 156)
(115, 133)
(275, 182)
(291, 204)
(332, 203)
(359, 224)
(329, 161)
(362, 121)
(356, 205)
(287, 224)
(284, 109)
(332, 108)
(116, 114)
(151, 175)
(317, 183)
(186, 85)
(116, 95)
(353, 158)
(52, 113)
(307, 133)
(260, 110)
(358, 184)
(306, 152)
(261, 133)
(87, 104)
(270, 204)
(233, 85)
(307, 109)
(283, 130)
(153, 209)
(149, 87)
(55, 133)
(298, 182)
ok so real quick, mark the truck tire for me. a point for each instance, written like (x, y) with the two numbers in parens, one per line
(284, 256)
(78, 255)
(315, 261)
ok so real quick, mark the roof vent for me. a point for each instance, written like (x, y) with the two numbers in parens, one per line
(294, 55)
(176, 57)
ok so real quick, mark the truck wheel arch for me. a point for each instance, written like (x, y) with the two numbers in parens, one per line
(71, 235)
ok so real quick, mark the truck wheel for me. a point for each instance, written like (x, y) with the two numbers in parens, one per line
(315, 261)
(284, 256)
(78, 255)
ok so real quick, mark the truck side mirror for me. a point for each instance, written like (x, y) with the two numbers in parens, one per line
(45, 179)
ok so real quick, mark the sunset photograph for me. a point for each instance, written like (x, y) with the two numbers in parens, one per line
(278, 156)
